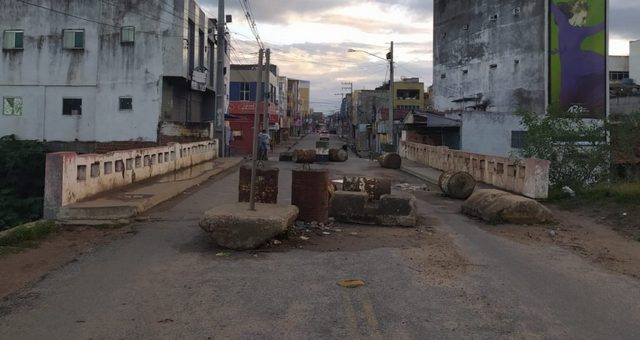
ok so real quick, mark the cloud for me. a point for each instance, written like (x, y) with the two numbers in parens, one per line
(623, 18)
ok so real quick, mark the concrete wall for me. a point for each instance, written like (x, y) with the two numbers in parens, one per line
(529, 177)
(634, 61)
(624, 105)
(619, 63)
(70, 177)
(487, 133)
(500, 63)
(43, 72)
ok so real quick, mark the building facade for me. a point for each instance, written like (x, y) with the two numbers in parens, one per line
(106, 72)
(499, 57)
(242, 105)
(282, 102)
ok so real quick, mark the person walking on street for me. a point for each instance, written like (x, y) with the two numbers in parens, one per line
(264, 142)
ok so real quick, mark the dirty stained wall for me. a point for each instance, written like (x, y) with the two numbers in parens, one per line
(492, 51)
(44, 73)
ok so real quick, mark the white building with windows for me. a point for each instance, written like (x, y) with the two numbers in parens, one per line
(105, 71)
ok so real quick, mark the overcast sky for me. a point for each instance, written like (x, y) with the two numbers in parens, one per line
(309, 39)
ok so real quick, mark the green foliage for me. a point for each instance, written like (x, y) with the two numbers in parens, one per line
(625, 138)
(577, 147)
(27, 235)
(623, 193)
(22, 166)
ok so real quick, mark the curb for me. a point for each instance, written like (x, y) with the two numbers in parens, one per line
(419, 175)
(146, 204)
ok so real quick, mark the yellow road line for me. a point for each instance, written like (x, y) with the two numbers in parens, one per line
(372, 320)
(350, 318)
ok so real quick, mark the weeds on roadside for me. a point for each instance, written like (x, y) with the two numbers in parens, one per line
(25, 236)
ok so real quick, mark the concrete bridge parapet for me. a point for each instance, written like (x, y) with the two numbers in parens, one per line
(72, 177)
(529, 177)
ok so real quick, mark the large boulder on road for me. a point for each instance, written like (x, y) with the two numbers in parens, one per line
(234, 226)
(497, 206)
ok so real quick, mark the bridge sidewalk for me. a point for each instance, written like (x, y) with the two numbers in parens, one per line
(423, 172)
(122, 205)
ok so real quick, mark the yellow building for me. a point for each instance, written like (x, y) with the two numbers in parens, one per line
(305, 98)
(409, 94)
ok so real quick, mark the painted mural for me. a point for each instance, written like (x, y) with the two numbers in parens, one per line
(577, 65)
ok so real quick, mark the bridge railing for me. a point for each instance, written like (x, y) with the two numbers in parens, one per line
(72, 177)
(529, 177)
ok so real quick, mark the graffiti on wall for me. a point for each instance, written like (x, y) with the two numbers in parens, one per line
(577, 61)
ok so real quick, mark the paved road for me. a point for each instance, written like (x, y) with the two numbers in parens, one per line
(166, 282)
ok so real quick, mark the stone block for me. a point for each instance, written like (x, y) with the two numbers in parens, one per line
(234, 226)
(499, 206)
(390, 210)
(347, 203)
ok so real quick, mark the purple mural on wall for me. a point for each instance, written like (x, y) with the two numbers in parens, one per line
(582, 73)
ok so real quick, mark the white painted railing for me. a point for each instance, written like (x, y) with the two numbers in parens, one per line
(71, 177)
(529, 177)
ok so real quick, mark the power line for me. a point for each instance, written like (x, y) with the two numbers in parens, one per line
(252, 24)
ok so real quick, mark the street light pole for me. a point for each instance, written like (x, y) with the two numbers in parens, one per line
(256, 127)
(390, 131)
(220, 88)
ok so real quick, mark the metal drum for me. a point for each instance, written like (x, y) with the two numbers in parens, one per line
(338, 155)
(304, 156)
(457, 184)
(309, 192)
(266, 185)
(390, 160)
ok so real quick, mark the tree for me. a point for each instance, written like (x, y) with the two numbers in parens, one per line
(577, 147)
(22, 166)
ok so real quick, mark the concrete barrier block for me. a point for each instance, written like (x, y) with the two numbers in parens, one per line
(234, 226)
(390, 210)
(497, 206)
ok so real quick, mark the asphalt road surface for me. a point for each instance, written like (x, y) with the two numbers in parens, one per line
(169, 282)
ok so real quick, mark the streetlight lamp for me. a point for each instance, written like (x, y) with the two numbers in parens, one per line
(390, 132)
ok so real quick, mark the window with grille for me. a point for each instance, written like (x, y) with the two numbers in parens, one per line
(12, 106)
(126, 103)
(13, 40)
(72, 106)
(618, 75)
(73, 39)
(127, 35)
(518, 139)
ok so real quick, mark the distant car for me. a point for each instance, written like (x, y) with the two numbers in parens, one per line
(324, 134)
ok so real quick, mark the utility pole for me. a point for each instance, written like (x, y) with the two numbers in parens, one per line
(267, 90)
(220, 88)
(390, 133)
(349, 86)
(256, 127)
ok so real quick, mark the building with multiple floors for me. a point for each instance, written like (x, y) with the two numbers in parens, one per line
(242, 105)
(298, 102)
(107, 72)
(282, 102)
(498, 57)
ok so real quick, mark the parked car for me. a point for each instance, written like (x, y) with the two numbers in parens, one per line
(324, 134)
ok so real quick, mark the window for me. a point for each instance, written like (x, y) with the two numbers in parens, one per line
(618, 75)
(13, 40)
(200, 48)
(126, 103)
(72, 106)
(12, 106)
(518, 139)
(244, 91)
(127, 35)
(73, 39)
